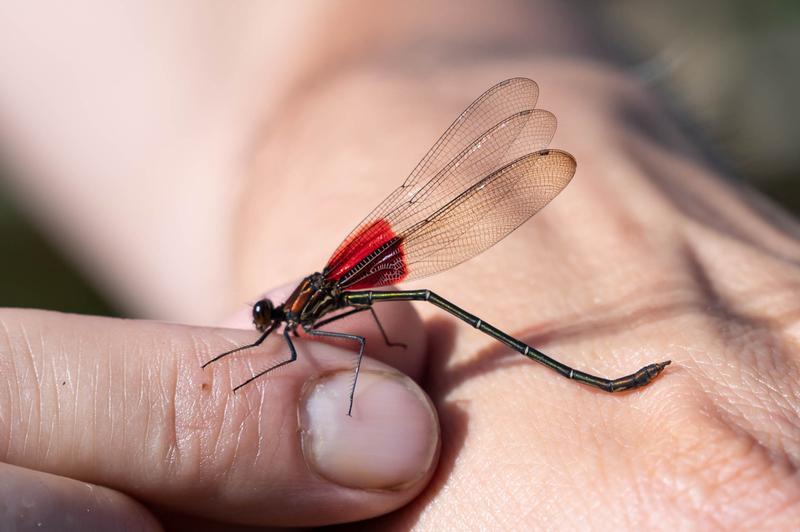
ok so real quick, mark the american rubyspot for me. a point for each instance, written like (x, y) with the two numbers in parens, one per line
(487, 174)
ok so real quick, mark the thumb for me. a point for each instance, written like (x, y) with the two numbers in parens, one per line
(125, 404)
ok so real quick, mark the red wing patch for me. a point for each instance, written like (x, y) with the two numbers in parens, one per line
(372, 257)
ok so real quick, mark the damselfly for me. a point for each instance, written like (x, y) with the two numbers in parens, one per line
(488, 173)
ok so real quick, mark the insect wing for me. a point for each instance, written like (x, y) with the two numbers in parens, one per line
(468, 224)
(486, 213)
(496, 129)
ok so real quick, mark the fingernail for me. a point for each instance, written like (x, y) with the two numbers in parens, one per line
(389, 442)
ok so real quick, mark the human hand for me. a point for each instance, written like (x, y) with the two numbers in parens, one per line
(648, 255)
(112, 424)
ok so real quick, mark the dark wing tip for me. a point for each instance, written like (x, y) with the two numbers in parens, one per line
(553, 152)
(519, 79)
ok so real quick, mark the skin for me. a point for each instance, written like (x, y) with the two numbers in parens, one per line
(651, 253)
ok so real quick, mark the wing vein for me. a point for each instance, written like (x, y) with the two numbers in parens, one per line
(486, 175)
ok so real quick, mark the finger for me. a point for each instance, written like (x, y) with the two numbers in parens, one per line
(400, 321)
(31, 500)
(126, 404)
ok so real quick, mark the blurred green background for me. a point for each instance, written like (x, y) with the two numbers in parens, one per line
(35, 273)
(733, 67)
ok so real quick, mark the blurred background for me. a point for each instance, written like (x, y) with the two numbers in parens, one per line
(732, 67)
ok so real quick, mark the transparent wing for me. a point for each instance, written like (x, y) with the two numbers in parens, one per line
(469, 223)
(486, 213)
(505, 99)
(496, 129)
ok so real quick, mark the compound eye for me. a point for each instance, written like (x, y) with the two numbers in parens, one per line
(262, 314)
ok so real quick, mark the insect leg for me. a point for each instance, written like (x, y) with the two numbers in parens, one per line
(383, 332)
(242, 348)
(292, 358)
(362, 343)
(356, 310)
(340, 316)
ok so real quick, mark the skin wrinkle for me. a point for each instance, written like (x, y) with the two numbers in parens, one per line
(96, 397)
(154, 395)
(214, 466)
(699, 508)
(172, 404)
(788, 319)
(6, 422)
(288, 416)
(753, 475)
(745, 301)
(675, 486)
(759, 347)
(731, 325)
(219, 427)
(780, 400)
(781, 219)
(240, 435)
(141, 405)
(125, 395)
(781, 452)
(763, 299)
(738, 417)
(785, 246)
(630, 517)
(70, 382)
(691, 185)
(746, 329)
(170, 449)
(601, 467)
(232, 422)
(55, 417)
(10, 385)
(66, 391)
(76, 403)
(625, 171)
(645, 477)
(786, 506)
(167, 434)
(199, 434)
(210, 448)
(239, 424)
(40, 373)
(265, 439)
(735, 417)
(630, 309)
(109, 413)
(32, 401)
(776, 394)
(261, 438)
(146, 390)
(720, 312)
(629, 514)
(752, 446)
